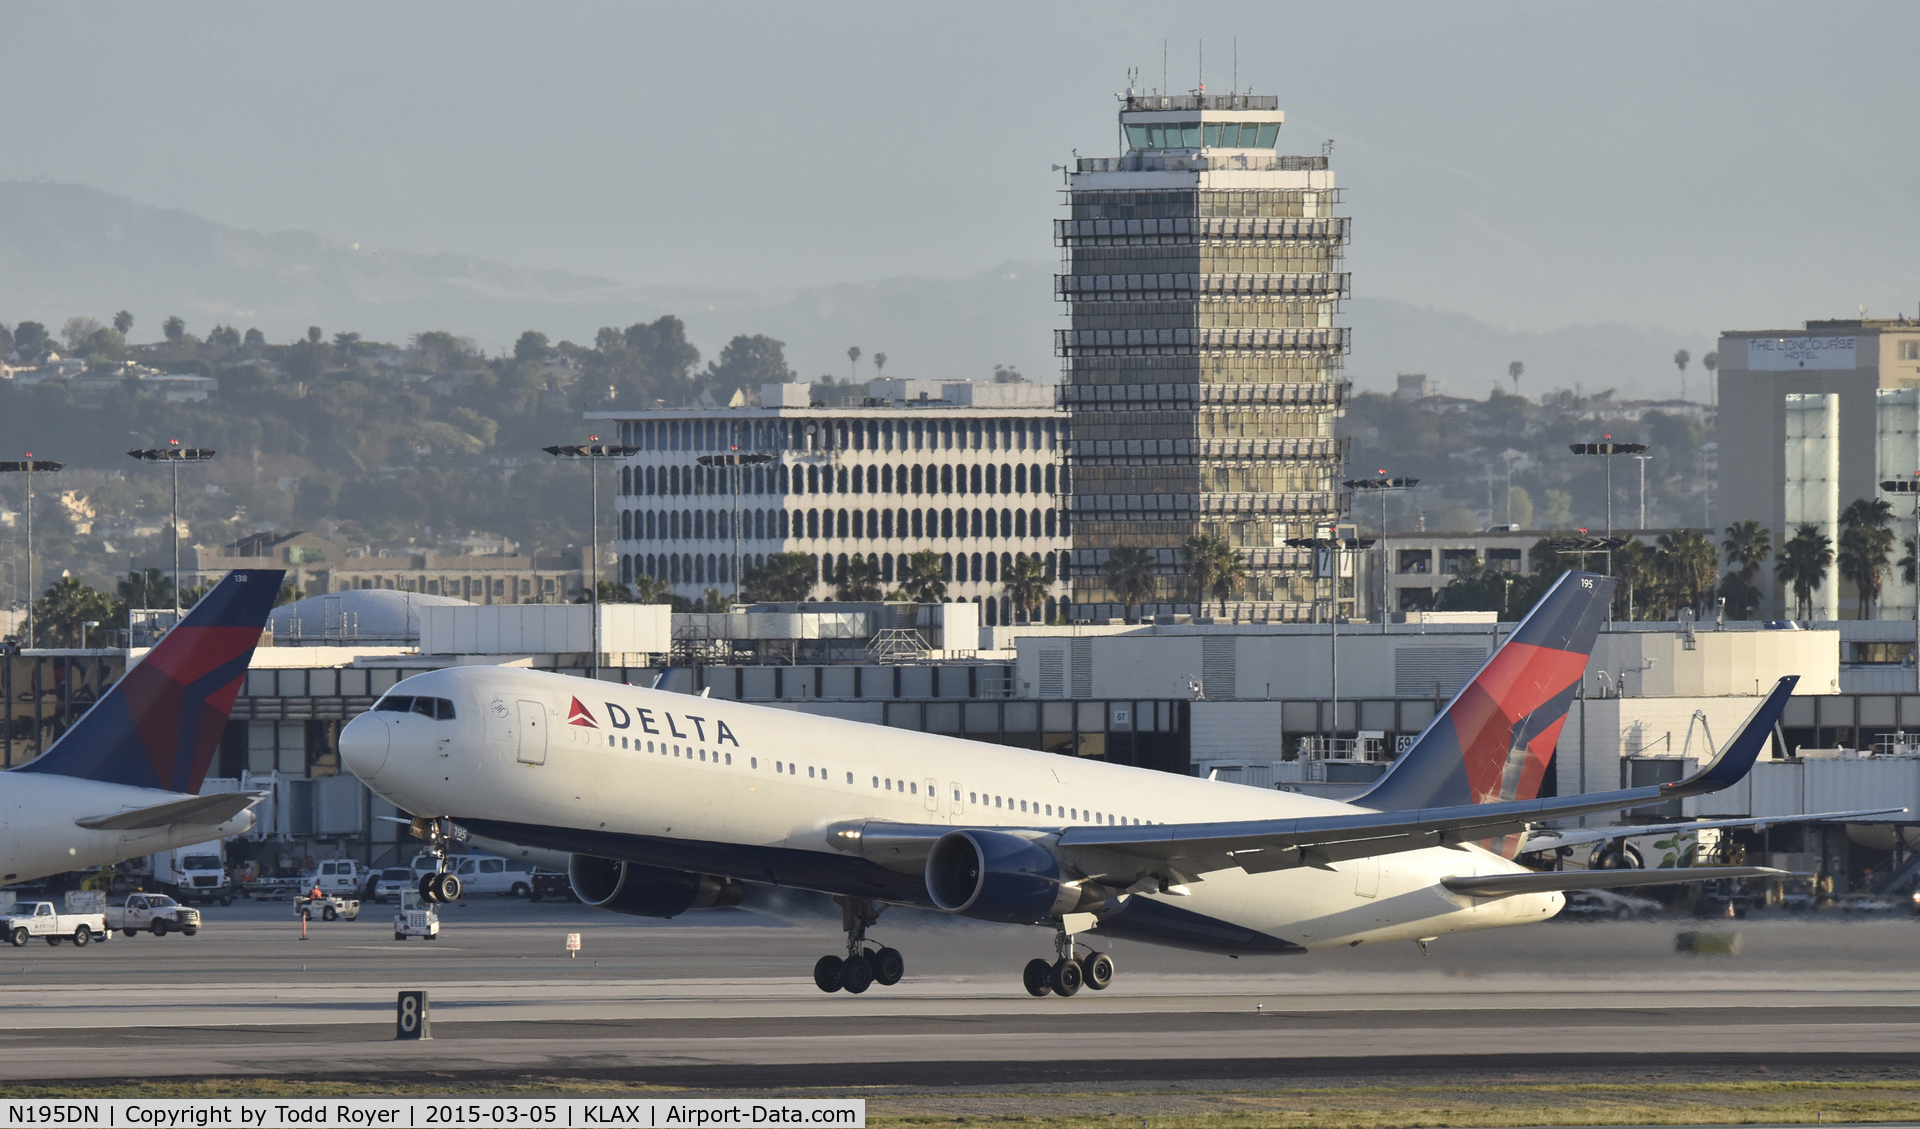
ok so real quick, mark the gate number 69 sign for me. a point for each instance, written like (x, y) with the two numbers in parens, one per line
(410, 1016)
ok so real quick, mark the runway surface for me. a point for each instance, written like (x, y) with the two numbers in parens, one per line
(726, 1000)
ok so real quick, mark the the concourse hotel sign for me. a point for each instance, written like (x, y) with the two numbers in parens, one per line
(1780, 354)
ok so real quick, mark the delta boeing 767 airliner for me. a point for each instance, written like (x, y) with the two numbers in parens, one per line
(669, 803)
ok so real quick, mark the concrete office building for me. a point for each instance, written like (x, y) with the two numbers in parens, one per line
(976, 473)
(1810, 420)
(1202, 366)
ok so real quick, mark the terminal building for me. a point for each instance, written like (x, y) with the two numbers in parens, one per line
(1202, 272)
(975, 472)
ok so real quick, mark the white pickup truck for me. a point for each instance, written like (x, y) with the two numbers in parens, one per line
(40, 920)
(153, 913)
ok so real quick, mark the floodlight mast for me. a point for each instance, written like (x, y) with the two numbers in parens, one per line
(1335, 546)
(1381, 486)
(737, 462)
(28, 466)
(173, 454)
(592, 451)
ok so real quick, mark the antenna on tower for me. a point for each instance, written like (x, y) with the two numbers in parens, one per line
(1236, 66)
(1203, 67)
(1164, 88)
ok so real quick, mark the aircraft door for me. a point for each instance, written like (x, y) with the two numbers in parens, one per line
(933, 794)
(1366, 876)
(533, 733)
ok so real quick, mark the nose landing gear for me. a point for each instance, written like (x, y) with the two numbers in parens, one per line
(442, 885)
(1066, 975)
(862, 967)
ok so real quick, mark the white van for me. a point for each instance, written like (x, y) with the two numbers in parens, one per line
(483, 874)
(342, 878)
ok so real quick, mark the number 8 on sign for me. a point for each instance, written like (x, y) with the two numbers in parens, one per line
(410, 1016)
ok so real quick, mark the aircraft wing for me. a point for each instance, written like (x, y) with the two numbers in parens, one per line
(1551, 881)
(1259, 846)
(1552, 838)
(207, 811)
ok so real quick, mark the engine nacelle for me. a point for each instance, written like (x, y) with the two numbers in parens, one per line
(996, 876)
(647, 891)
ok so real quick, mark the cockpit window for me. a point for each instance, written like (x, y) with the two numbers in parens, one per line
(440, 709)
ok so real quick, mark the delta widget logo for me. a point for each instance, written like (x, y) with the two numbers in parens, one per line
(581, 716)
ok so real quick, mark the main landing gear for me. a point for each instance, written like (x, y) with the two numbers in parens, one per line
(863, 966)
(1067, 974)
(442, 885)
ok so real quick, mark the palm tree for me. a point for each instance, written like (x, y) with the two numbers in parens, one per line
(1865, 542)
(1680, 361)
(1910, 564)
(1687, 560)
(1215, 566)
(1130, 573)
(924, 580)
(1747, 546)
(713, 600)
(859, 582)
(651, 590)
(1803, 563)
(123, 322)
(1514, 371)
(1026, 584)
(1643, 589)
(786, 578)
(853, 363)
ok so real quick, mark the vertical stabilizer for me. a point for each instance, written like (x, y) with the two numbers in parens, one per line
(1493, 741)
(160, 725)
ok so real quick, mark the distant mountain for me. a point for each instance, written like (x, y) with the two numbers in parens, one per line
(1466, 357)
(68, 249)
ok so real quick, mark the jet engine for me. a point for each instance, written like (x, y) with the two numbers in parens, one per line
(647, 891)
(997, 876)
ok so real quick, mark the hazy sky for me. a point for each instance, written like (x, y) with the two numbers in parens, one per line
(1690, 166)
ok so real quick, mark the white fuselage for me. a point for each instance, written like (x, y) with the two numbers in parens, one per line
(702, 778)
(39, 834)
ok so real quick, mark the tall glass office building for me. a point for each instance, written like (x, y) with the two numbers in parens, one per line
(1202, 367)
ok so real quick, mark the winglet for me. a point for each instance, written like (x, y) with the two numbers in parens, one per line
(1736, 760)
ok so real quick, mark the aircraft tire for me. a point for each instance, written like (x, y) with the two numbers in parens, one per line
(1098, 971)
(1066, 976)
(1038, 977)
(429, 890)
(447, 886)
(827, 973)
(888, 967)
(856, 974)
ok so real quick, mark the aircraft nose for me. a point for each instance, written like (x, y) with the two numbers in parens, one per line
(364, 744)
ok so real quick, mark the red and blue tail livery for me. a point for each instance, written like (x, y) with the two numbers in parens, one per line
(160, 725)
(1493, 741)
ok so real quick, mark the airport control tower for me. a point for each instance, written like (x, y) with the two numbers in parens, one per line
(1203, 368)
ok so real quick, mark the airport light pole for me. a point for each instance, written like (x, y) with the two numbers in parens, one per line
(737, 462)
(593, 451)
(29, 466)
(1332, 547)
(173, 454)
(1607, 450)
(1381, 487)
(1912, 486)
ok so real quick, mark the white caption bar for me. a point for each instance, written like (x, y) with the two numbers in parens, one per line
(428, 1113)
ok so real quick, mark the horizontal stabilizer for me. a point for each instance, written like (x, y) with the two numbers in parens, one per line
(1551, 838)
(207, 811)
(1555, 881)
